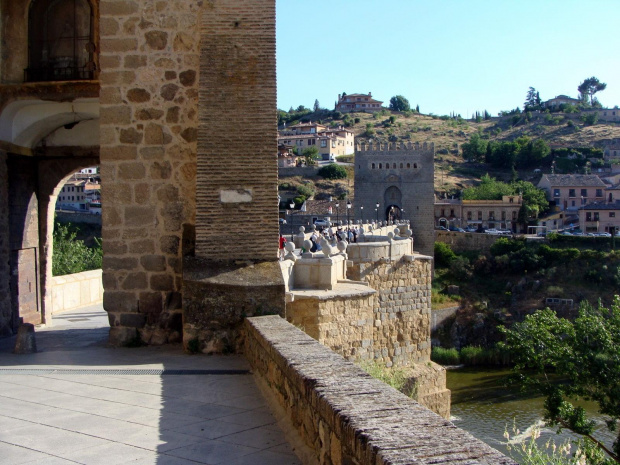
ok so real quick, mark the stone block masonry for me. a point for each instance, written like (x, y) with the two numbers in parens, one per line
(401, 176)
(5, 295)
(148, 130)
(342, 414)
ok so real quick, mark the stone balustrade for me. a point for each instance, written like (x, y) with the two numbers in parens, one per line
(76, 290)
(344, 416)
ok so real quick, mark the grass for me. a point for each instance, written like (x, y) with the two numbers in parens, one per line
(395, 377)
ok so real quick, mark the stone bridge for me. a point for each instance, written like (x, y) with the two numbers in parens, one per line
(176, 102)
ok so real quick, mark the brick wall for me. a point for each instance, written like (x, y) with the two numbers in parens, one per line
(415, 185)
(5, 300)
(237, 173)
(148, 124)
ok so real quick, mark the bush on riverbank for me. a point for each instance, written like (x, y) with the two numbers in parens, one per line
(470, 356)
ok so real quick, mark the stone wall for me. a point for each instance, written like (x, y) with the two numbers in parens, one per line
(76, 290)
(149, 58)
(306, 171)
(407, 184)
(6, 328)
(342, 414)
(461, 242)
(401, 311)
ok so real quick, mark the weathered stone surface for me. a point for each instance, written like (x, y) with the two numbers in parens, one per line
(25, 342)
(157, 40)
(138, 95)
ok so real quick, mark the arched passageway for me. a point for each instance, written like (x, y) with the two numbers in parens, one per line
(43, 143)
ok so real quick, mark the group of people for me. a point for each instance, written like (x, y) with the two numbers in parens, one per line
(350, 235)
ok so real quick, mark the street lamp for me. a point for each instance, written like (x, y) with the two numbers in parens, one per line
(362, 211)
(348, 209)
(292, 205)
(402, 214)
(337, 214)
(377, 211)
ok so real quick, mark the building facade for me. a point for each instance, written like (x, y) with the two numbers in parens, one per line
(330, 142)
(481, 214)
(348, 103)
(598, 217)
(572, 191)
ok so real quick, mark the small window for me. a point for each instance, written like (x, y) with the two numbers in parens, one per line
(596, 216)
(387, 166)
(415, 166)
(514, 216)
(372, 166)
(323, 143)
(479, 215)
(584, 193)
(469, 216)
(401, 166)
(408, 165)
(503, 216)
(491, 215)
(380, 165)
(393, 165)
(588, 216)
(556, 192)
(451, 212)
(612, 214)
(571, 193)
(599, 192)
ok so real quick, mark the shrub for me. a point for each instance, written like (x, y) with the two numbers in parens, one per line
(370, 131)
(445, 356)
(590, 119)
(504, 245)
(357, 120)
(555, 291)
(443, 255)
(333, 171)
(460, 268)
(305, 190)
(71, 255)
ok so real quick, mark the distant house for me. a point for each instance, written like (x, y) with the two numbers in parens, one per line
(611, 152)
(72, 197)
(600, 217)
(572, 191)
(560, 100)
(485, 214)
(357, 102)
(286, 157)
(330, 142)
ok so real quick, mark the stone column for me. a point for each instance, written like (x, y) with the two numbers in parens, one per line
(5, 295)
(235, 272)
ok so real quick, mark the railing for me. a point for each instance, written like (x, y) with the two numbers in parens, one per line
(57, 74)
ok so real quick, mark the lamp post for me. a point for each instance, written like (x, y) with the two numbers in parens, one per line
(362, 212)
(337, 214)
(377, 212)
(348, 209)
(402, 214)
(292, 205)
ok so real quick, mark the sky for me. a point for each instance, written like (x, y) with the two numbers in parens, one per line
(446, 56)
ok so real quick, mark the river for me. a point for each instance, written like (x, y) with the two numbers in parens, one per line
(482, 406)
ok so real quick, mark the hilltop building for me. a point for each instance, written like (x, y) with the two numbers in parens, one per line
(331, 142)
(560, 100)
(348, 103)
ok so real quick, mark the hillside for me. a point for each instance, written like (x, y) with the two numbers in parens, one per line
(451, 171)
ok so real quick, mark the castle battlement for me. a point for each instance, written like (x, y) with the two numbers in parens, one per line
(395, 146)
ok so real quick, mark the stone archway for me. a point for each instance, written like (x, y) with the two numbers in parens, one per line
(392, 199)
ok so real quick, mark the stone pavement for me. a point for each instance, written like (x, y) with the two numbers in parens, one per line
(78, 401)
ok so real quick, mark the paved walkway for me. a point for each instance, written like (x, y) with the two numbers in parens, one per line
(78, 401)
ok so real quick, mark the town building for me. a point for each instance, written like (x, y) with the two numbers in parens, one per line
(286, 157)
(611, 151)
(560, 100)
(481, 214)
(348, 103)
(330, 142)
(597, 217)
(572, 191)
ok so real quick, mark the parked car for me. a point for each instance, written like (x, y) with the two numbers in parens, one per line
(282, 221)
(441, 228)
(323, 223)
(471, 229)
(455, 229)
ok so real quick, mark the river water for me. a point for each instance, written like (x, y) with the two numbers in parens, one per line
(485, 408)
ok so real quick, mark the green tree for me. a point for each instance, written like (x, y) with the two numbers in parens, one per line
(532, 100)
(311, 154)
(317, 107)
(475, 149)
(589, 87)
(333, 171)
(585, 353)
(71, 255)
(399, 103)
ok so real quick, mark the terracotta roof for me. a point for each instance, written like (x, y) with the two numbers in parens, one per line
(570, 180)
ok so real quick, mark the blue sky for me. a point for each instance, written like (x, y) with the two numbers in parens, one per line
(446, 55)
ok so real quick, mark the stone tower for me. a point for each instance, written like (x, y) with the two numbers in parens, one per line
(400, 178)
